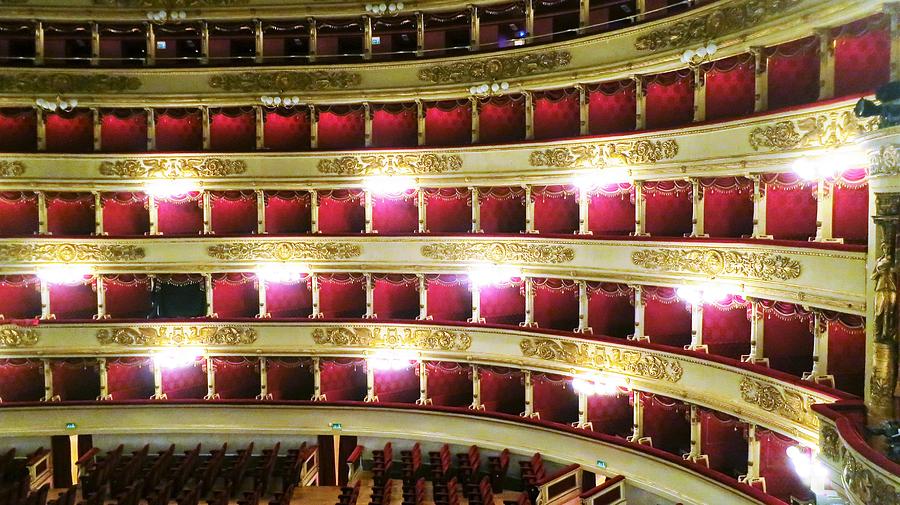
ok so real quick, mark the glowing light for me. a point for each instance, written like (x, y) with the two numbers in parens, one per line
(596, 385)
(806, 169)
(63, 274)
(162, 188)
(177, 357)
(281, 272)
(689, 294)
(389, 184)
(489, 275)
(397, 359)
(713, 293)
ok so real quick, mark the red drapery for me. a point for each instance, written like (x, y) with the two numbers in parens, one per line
(75, 379)
(70, 132)
(611, 209)
(612, 107)
(502, 209)
(180, 214)
(449, 383)
(342, 127)
(179, 130)
(790, 207)
(70, 214)
(395, 125)
(448, 123)
(862, 55)
(128, 296)
(557, 114)
(232, 130)
(501, 119)
(342, 211)
(782, 480)
(611, 414)
(449, 297)
(667, 318)
(847, 352)
(289, 299)
(342, 295)
(130, 378)
(20, 297)
(343, 379)
(287, 130)
(793, 71)
(502, 390)
(668, 423)
(448, 210)
(125, 214)
(730, 87)
(556, 304)
(554, 398)
(669, 99)
(233, 212)
(555, 209)
(398, 385)
(123, 130)
(395, 212)
(235, 295)
(850, 211)
(724, 440)
(74, 301)
(21, 380)
(788, 337)
(669, 208)
(289, 378)
(610, 309)
(288, 212)
(237, 377)
(727, 206)
(503, 303)
(726, 327)
(186, 382)
(18, 130)
(396, 296)
(18, 213)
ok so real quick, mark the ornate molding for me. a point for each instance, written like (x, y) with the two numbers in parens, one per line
(68, 252)
(285, 80)
(499, 252)
(146, 336)
(59, 82)
(714, 24)
(171, 4)
(11, 168)
(500, 67)
(405, 338)
(632, 152)
(11, 336)
(884, 162)
(787, 404)
(859, 480)
(284, 251)
(391, 164)
(714, 262)
(603, 358)
(827, 129)
(173, 167)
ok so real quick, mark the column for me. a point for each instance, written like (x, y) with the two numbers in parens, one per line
(759, 207)
(583, 422)
(204, 114)
(314, 210)
(819, 373)
(476, 389)
(638, 313)
(529, 397)
(210, 380)
(367, 123)
(825, 211)
(153, 211)
(42, 213)
(95, 44)
(583, 326)
(529, 210)
(204, 43)
(260, 117)
(699, 93)
(259, 49)
(881, 370)
(584, 15)
(476, 304)
(476, 124)
(529, 304)
(761, 74)
(98, 214)
(150, 59)
(158, 393)
(476, 211)
(474, 28)
(46, 312)
(104, 379)
(316, 314)
(264, 379)
(317, 380)
(826, 63)
(757, 334)
(697, 328)
(752, 476)
(207, 213)
(367, 37)
(529, 114)
(98, 131)
(367, 197)
(313, 127)
(101, 297)
(637, 430)
(151, 129)
(423, 298)
(697, 228)
(39, 43)
(640, 96)
(420, 123)
(422, 210)
(313, 39)
(370, 384)
(584, 110)
(529, 21)
(420, 34)
(261, 289)
(260, 212)
(423, 385)
(696, 455)
(41, 130)
(641, 7)
(370, 298)
(48, 381)
(584, 208)
(208, 290)
(640, 210)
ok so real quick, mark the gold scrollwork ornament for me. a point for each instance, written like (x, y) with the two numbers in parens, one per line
(827, 129)
(500, 67)
(715, 262)
(499, 252)
(69, 252)
(18, 337)
(285, 80)
(284, 251)
(633, 152)
(154, 336)
(391, 164)
(392, 337)
(173, 167)
(11, 168)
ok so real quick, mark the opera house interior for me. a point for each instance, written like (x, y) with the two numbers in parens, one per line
(447, 252)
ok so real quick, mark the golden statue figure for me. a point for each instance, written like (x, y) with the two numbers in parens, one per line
(885, 296)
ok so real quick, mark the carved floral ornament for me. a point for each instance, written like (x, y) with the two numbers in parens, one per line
(11, 336)
(284, 251)
(777, 400)
(285, 80)
(173, 167)
(391, 164)
(59, 82)
(827, 129)
(176, 335)
(634, 152)
(500, 67)
(499, 252)
(403, 338)
(69, 253)
(171, 4)
(860, 481)
(716, 262)
(884, 162)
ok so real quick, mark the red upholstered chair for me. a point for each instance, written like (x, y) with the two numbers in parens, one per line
(449, 297)
(130, 378)
(612, 107)
(611, 209)
(342, 295)
(556, 303)
(790, 207)
(179, 130)
(611, 414)
(69, 132)
(342, 211)
(555, 399)
(76, 379)
(723, 439)
(123, 130)
(18, 213)
(289, 298)
(669, 208)
(343, 379)
(782, 481)
(396, 296)
(289, 378)
(180, 214)
(793, 72)
(501, 119)
(233, 212)
(20, 297)
(70, 214)
(862, 55)
(232, 129)
(342, 127)
(185, 381)
(668, 423)
(395, 125)
(788, 337)
(77, 300)
(555, 209)
(730, 87)
(850, 212)
(288, 212)
(667, 318)
(235, 295)
(18, 130)
(448, 123)
(395, 212)
(237, 377)
(21, 380)
(727, 206)
(847, 352)
(125, 214)
(669, 99)
(502, 389)
(398, 384)
(726, 327)
(287, 129)
(503, 303)
(610, 309)
(448, 210)
(128, 296)
(502, 209)
(557, 114)
(449, 383)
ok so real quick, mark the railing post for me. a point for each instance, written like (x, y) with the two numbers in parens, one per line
(210, 379)
(640, 210)
(826, 63)
(759, 207)
(476, 303)
(367, 37)
(529, 396)
(476, 210)
(151, 129)
(584, 110)
(697, 221)
(819, 373)
(204, 122)
(529, 304)
(699, 93)
(48, 380)
(261, 290)
(474, 28)
(476, 124)
(584, 15)
(371, 397)
(529, 115)
(39, 43)
(263, 378)
(370, 298)
(476, 389)
(422, 210)
(529, 209)
(420, 34)
(640, 98)
(98, 214)
(259, 42)
(583, 326)
(637, 432)
(529, 21)
(696, 328)
(638, 313)
(317, 380)
(260, 212)
(42, 213)
(260, 117)
(208, 291)
(101, 297)
(97, 127)
(825, 211)
(423, 297)
(423, 384)
(757, 334)
(150, 58)
(316, 314)
(420, 123)
(367, 202)
(761, 77)
(367, 124)
(41, 121)
(204, 43)
(314, 210)
(207, 213)
(158, 393)
(313, 39)
(104, 379)
(95, 44)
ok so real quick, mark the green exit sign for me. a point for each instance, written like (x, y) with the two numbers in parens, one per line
(337, 426)
(70, 426)
(601, 463)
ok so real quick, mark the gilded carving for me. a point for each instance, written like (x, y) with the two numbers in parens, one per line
(406, 338)
(18, 337)
(11, 168)
(714, 24)
(284, 251)
(146, 336)
(171, 4)
(827, 129)
(59, 82)
(173, 167)
(391, 164)
(285, 80)
(604, 358)
(884, 162)
(68, 252)
(829, 443)
(778, 401)
(630, 152)
(715, 262)
(865, 486)
(498, 67)
(499, 252)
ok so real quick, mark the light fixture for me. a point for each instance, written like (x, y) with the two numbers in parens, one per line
(392, 8)
(389, 184)
(281, 272)
(396, 359)
(63, 274)
(592, 179)
(808, 467)
(163, 188)
(709, 293)
(58, 103)
(488, 89)
(700, 54)
(596, 385)
(276, 101)
(177, 357)
(829, 164)
(492, 274)
(162, 16)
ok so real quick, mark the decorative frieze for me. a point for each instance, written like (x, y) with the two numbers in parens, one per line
(60, 82)
(859, 479)
(715, 262)
(499, 252)
(777, 400)
(284, 80)
(391, 164)
(11, 168)
(11, 336)
(283, 250)
(827, 129)
(403, 338)
(496, 68)
(69, 252)
(171, 4)
(884, 161)
(600, 154)
(173, 167)
(155, 336)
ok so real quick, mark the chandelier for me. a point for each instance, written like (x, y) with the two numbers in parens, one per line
(57, 104)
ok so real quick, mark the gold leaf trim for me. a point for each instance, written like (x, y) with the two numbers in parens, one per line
(11, 168)
(173, 167)
(285, 80)
(391, 164)
(634, 152)
(405, 338)
(603, 358)
(59, 82)
(715, 262)
(501, 67)
(776, 400)
(857, 476)
(68, 253)
(884, 162)
(499, 252)
(18, 337)
(171, 4)
(827, 129)
(284, 251)
(176, 335)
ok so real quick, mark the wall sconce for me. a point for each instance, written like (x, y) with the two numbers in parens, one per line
(380, 9)
(276, 101)
(488, 89)
(60, 104)
(163, 16)
(699, 55)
